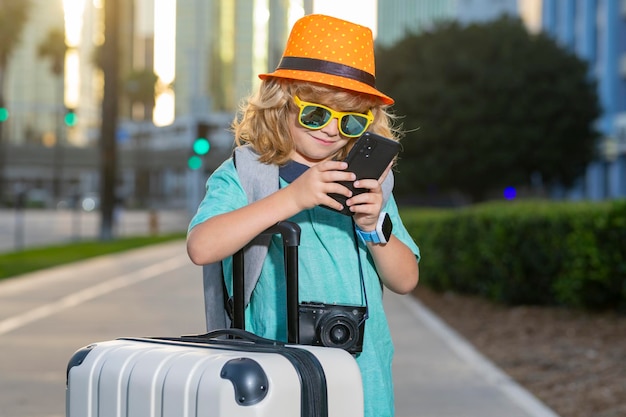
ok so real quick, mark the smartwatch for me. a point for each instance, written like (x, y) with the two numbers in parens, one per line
(382, 232)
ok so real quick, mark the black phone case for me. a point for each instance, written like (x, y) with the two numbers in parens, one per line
(368, 159)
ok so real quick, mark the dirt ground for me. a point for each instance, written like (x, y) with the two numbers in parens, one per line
(575, 362)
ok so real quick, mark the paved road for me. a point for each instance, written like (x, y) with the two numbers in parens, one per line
(28, 228)
(46, 316)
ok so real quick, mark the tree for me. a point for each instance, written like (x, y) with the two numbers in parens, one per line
(13, 18)
(488, 106)
(140, 86)
(108, 128)
(54, 48)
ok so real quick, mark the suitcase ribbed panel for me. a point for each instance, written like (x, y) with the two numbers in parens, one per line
(126, 379)
(314, 396)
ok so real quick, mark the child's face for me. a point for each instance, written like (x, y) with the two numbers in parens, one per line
(313, 145)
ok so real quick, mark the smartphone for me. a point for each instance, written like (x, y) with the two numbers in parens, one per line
(368, 159)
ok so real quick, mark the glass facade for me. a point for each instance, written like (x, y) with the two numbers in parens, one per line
(596, 31)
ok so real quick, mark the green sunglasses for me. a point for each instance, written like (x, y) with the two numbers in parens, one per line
(315, 116)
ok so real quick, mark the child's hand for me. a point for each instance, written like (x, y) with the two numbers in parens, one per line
(312, 188)
(367, 206)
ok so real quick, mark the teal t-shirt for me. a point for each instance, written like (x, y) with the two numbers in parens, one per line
(328, 272)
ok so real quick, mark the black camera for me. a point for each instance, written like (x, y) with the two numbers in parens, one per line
(332, 325)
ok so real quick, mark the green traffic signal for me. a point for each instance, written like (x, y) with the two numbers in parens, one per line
(194, 162)
(201, 146)
(70, 118)
(4, 114)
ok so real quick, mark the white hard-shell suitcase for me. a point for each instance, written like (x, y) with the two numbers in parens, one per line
(147, 377)
(228, 372)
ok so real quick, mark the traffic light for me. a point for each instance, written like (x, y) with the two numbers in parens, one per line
(70, 118)
(4, 114)
(200, 146)
(194, 162)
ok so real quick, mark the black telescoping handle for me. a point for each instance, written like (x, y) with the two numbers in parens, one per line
(290, 233)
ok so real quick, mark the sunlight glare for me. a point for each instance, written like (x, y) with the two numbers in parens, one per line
(530, 12)
(73, 11)
(164, 59)
(73, 14)
(296, 11)
(165, 40)
(164, 108)
(362, 12)
(72, 78)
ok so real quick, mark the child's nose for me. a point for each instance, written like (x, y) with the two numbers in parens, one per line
(332, 128)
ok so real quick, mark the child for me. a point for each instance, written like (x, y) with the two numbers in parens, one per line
(304, 119)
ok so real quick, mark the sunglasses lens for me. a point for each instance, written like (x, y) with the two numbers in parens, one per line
(353, 125)
(314, 117)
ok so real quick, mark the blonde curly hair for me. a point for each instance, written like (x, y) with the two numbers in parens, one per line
(265, 117)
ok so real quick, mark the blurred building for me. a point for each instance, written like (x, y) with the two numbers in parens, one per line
(215, 49)
(38, 97)
(206, 54)
(596, 31)
(396, 18)
(34, 94)
(222, 46)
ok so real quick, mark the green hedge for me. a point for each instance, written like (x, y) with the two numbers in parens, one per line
(532, 252)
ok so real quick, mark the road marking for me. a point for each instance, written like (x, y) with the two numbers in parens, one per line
(90, 293)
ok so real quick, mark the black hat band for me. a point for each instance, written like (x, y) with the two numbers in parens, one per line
(326, 67)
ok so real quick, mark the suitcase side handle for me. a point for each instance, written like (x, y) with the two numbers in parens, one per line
(230, 334)
(290, 233)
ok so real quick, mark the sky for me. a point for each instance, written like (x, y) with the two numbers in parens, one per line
(362, 12)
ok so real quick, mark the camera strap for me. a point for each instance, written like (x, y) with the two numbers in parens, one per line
(358, 257)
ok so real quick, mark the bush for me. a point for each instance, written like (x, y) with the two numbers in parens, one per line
(533, 252)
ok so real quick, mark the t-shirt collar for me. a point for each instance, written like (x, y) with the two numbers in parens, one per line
(292, 170)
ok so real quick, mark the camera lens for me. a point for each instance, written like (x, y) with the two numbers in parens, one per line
(339, 334)
(338, 331)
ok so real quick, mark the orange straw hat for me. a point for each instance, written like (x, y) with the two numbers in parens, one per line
(326, 50)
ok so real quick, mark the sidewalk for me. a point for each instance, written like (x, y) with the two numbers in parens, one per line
(439, 374)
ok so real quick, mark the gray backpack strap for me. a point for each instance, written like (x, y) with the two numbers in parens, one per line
(258, 180)
(214, 304)
(387, 187)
